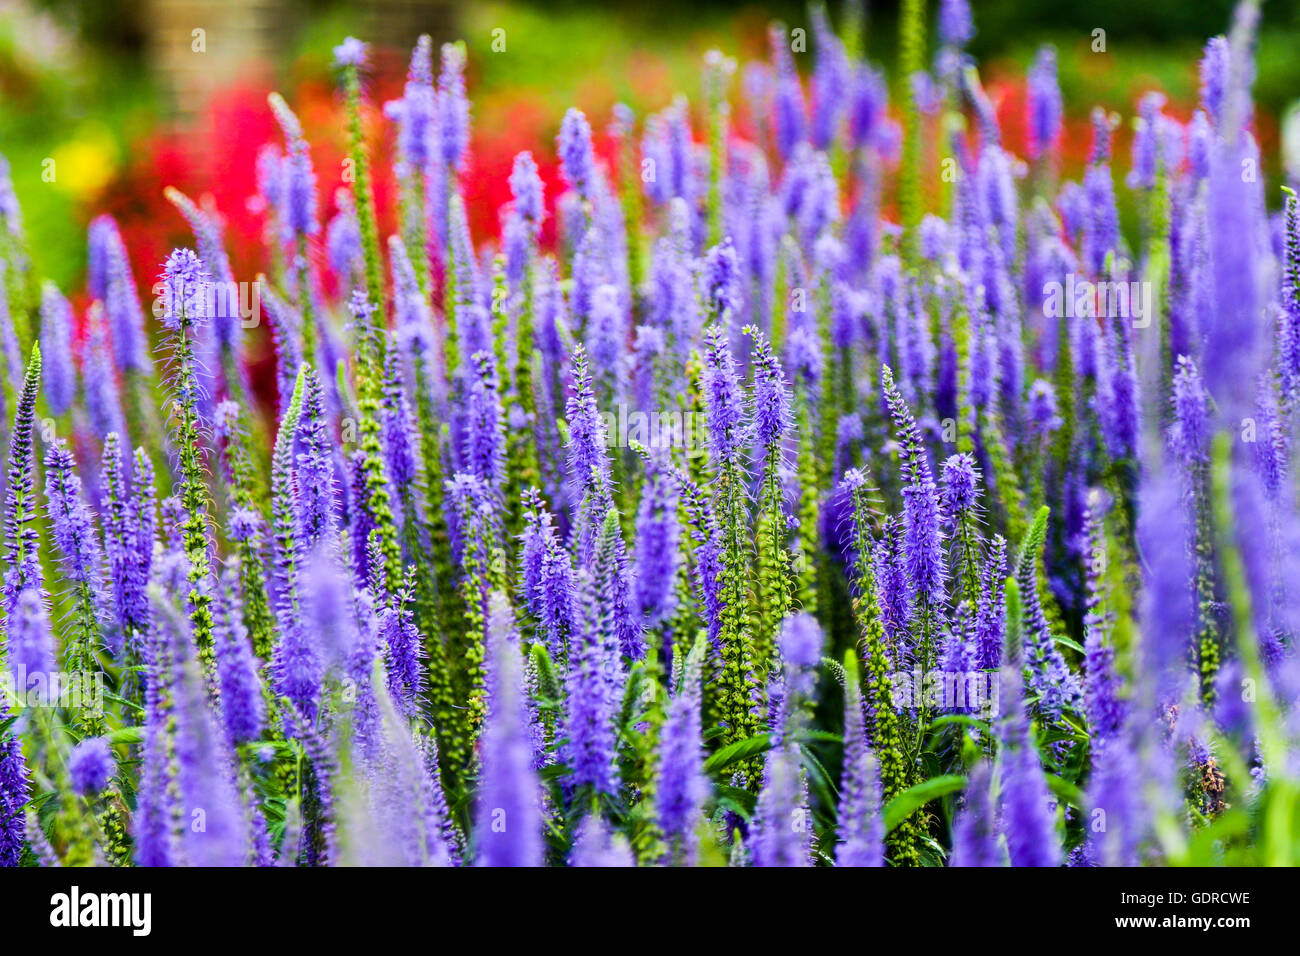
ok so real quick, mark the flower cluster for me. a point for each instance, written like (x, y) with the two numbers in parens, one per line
(426, 610)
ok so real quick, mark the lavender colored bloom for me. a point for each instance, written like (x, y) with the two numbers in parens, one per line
(779, 835)
(299, 179)
(682, 787)
(1101, 699)
(418, 109)
(976, 836)
(484, 437)
(10, 212)
(526, 188)
(1026, 806)
(830, 83)
(351, 53)
(317, 499)
(22, 560)
(453, 106)
(1146, 141)
(597, 845)
(1044, 103)
(242, 708)
(1214, 77)
(790, 118)
(72, 529)
(14, 789)
(607, 335)
(990, 609)
(401, 439)
(1050, 677)
(30, 645)
(91, 766)
(129, 520)
(405, 651)
(892, 585)
(343, 242)
(860, 826)
(656, 548)
(297, 667)
(1166, 611)
(955, 24)
(60, 382)
(771, 398)
(723, 400)
(1233, 347)
(869, 98)
(590, 703)
(960, 485)
(103, 408)
(186, 763)
(508, 830)
(923, 540)
(1114, 797)
(113, 283)
(185, 290)
(577, 159)
(1042, 407)
(588, 458)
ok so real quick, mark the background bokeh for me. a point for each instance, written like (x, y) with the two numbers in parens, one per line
(117, 94)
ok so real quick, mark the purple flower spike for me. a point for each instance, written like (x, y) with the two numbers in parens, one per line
(91, 766)
(56, 347)
(577, 159)
(350, 53)
(508, 827)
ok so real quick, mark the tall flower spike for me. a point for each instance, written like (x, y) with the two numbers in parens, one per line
(297, 666)
(56, 344)
(115, 286)
(350, 58)
(780, 838)
(590, 708)
(508, 818)
(80, 558)
(655, 545)
(241, 687)
(22, 540)
(861, 827)
(318, 496)
(1100, 691)
(588, 458)
(976, 838)
(1044, 104)
(184, 291)
(103, 406)
(577, 159)
(526, 188)
(922, 537)
(1050, 677)
(681, 787)
(453, 106)
(1025, 800)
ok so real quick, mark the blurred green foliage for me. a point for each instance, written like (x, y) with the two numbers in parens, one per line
(74, 84)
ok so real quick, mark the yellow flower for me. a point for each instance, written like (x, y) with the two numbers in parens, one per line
(84, 165)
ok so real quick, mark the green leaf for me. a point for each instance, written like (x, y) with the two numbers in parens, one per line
(913, 798)
(737, 800)
(1070, 643)
(126, 735)
(1065, 791)
(965, 719)
(740, 750)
